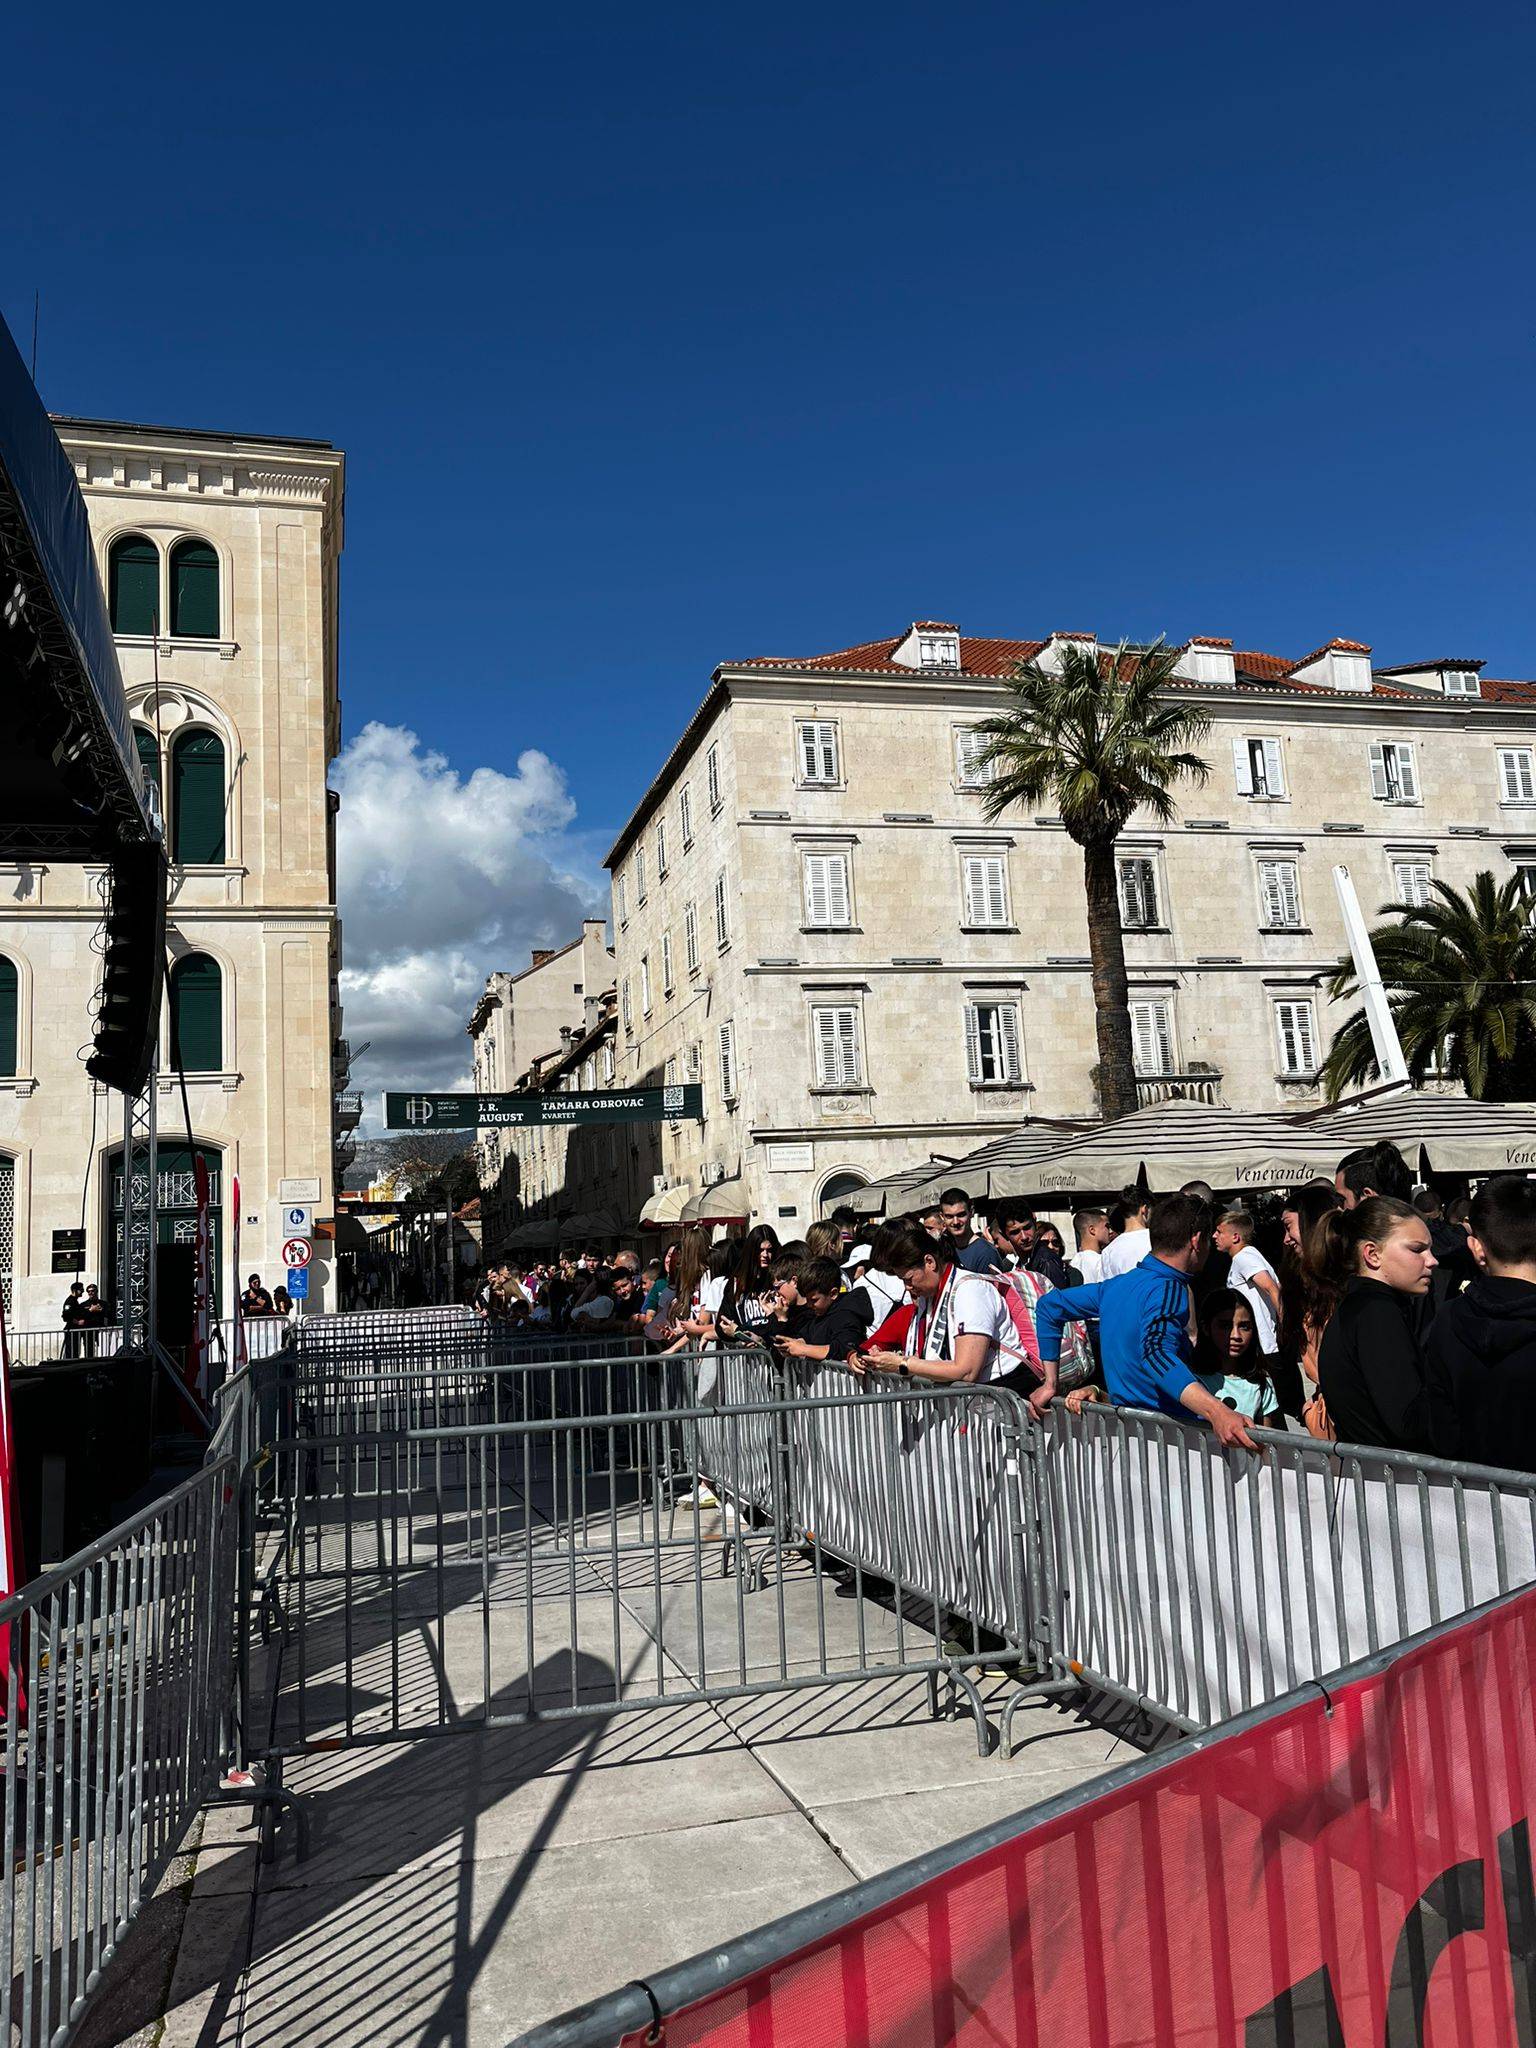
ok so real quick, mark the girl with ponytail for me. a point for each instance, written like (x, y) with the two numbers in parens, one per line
(1370, 1368)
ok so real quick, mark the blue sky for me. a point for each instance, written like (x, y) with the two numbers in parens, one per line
(658, 337)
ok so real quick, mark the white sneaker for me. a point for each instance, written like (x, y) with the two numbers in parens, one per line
(701, 1497)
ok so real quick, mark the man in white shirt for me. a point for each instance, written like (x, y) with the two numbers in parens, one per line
(1134, 1241)
(1092, 1228)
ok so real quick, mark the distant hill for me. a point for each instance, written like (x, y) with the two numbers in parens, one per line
(420, 1157)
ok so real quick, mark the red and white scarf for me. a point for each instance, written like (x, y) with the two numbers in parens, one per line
(928, 1331)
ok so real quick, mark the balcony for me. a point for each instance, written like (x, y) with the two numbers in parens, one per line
(349, 1110)
(341, 1058)
(1200, 1085)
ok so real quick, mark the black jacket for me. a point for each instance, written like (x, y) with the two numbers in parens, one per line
(1371, 1372)
(1482, 1375)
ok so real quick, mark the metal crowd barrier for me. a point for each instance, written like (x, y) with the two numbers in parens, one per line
(1199, 1582)
(496, 1542)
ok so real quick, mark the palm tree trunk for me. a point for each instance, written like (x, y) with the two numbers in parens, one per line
(1106, 949)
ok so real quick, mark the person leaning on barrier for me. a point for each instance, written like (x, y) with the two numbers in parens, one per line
(1481, 1354)
(1370, 1365)
(830, 1323)
(957, 1325)
(1146, 1354)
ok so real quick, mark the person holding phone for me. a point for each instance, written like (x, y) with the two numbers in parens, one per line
(831, 1324)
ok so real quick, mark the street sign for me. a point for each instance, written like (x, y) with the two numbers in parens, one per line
(297, 1253)
(298, 1283)
(69, 1251)
(684, 1104)
(298, 1219)
(299, 1188)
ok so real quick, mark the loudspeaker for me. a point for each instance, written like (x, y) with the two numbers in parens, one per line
(133, 970)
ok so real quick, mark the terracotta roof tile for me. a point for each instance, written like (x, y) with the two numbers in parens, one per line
(979, 656)
(1344, 647)
(1498, 690)
(1414, 668)
(1265, 668)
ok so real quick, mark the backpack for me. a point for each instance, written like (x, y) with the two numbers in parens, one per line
(1021, 1291)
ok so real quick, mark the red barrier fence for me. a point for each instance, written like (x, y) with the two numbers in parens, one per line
(1343, 1869)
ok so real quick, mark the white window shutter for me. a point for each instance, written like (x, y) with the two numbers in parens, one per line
(826, 1048)
(815, 888)
(848, 1046)
(838, 908)
(1305, 1038)
(973, 891)
(973, 1042)
(1012, 1061)
(1143, 1041)
(829, 753)
(1274, 768)
(1407, 771)
(1242, 768)
(1378, 769)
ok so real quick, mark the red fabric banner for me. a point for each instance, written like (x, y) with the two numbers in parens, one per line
(1355, 1874)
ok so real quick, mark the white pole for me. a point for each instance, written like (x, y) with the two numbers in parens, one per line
(1378, 1011)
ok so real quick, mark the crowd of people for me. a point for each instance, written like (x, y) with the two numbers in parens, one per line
(1358, 1310)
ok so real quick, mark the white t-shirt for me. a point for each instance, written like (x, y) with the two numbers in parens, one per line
(598, 1310)
(1089, 1264)
(1245, 1264)
(711, 1293)
(885, 1291)
(1124, 1252)
(977, 1309)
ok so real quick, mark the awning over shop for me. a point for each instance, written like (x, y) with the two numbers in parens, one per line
(1169, 1143)
(725, 1202)
(887, 1197)
(666, 1207)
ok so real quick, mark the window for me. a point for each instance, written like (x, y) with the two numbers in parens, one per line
(835, 1034)
(661, 848)
(691, 936)
(1410, 879)
(196, 992)
(1280, 894)
(666, 964)
(197, 799)
(695, 1061)
(992, 1045)
(728, 1062)
(1138, 892)
(685, 815)
(1259, 767)
(608, 1061)
(194, 591)
(624, 1009)
(986, 889)
(639, 875)
(971, 772)
(1152, 1036)
(621, 899)
(1526, 871)
(669, 1079)
(133, 584)
(645, 984)
(1462, 682)
(818, 750)
(10, 1014)
(938, 650)
(722, 914)
(828, 902)
(1394, 777)
(149, 760)
(1517, 775)
(1296, 1034)
(712, 777)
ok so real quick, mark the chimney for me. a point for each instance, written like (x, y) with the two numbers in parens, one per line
(1207, 661)
(541, 954)
(1341, 665)
(591, 1013)
(1050, 656)
(567, 1033)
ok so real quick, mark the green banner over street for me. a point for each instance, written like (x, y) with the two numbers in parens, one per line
(424, 1112)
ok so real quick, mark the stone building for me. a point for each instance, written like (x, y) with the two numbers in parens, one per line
(219, 556)
(813, 917)
(523, 1023)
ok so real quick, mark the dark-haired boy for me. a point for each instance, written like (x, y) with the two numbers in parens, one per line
(831, 1323)
(1481, 1350)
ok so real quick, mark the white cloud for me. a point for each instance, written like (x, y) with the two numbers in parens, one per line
(442, 880)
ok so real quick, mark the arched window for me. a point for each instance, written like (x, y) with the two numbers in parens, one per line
(133, 584)
(194, 591)
(10, 998)
(149, 758)
(839, 1187)
(197, 798)
(197, 1015)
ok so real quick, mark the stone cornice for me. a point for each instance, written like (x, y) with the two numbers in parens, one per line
(106, 464)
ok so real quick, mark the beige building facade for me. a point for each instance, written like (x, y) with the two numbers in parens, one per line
(814, 918)
(524, 1024)
(219, 555)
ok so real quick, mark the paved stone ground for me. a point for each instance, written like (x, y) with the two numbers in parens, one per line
(464, 1886)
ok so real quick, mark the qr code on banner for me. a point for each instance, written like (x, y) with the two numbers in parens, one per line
(672, 1101)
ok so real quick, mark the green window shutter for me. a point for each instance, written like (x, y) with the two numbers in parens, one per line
(197, 787)
(197, 1015)
(194, 591)
(10, 989)
(149, 757)
(133, 584)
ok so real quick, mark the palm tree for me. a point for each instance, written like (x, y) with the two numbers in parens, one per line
(1097, 741)
(1460, 976)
